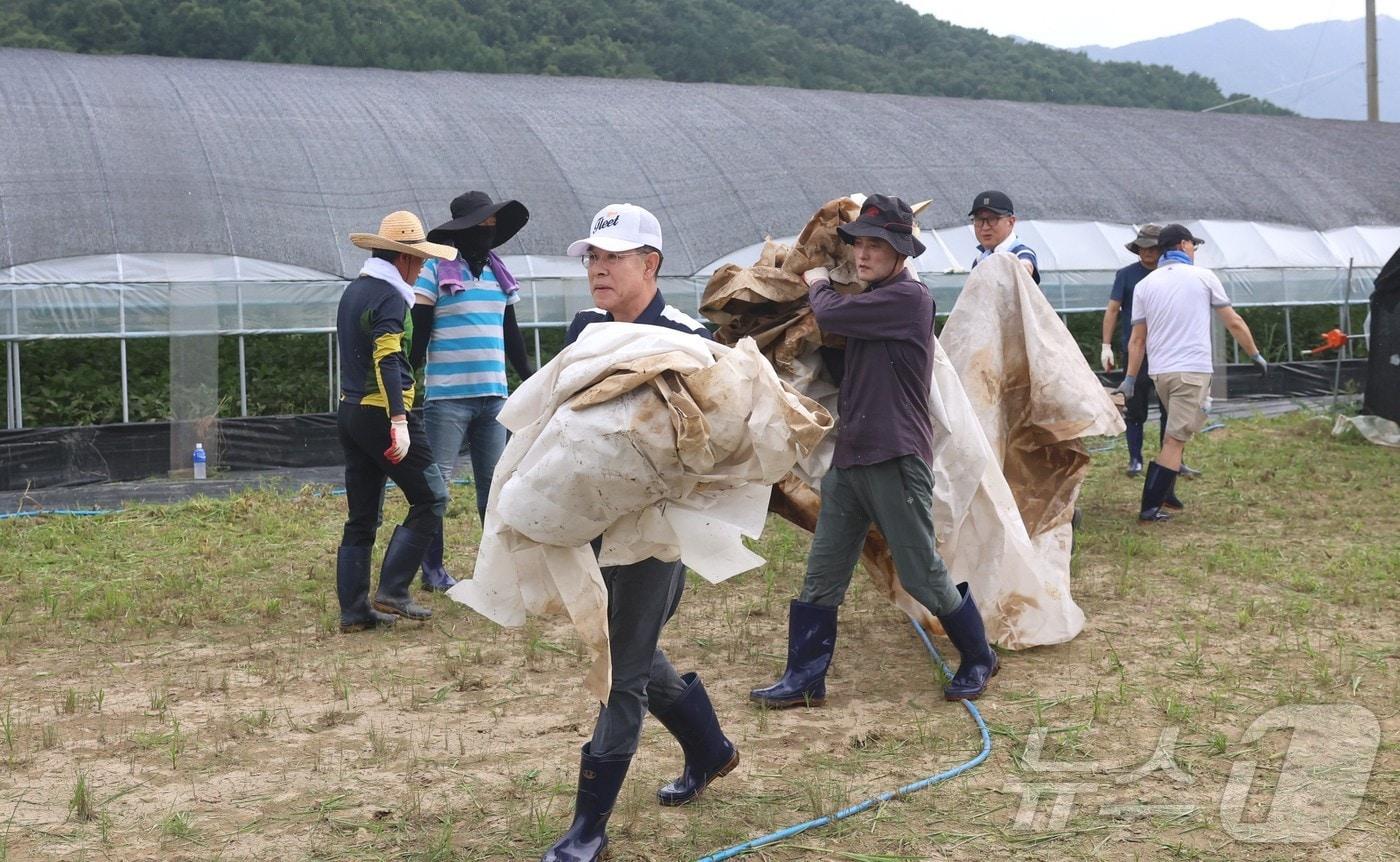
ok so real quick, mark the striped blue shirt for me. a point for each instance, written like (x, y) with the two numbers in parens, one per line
(466, 356)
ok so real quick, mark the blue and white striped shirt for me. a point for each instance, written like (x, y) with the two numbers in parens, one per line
(466, 356)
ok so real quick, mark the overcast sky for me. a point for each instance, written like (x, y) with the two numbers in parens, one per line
(1113, 22)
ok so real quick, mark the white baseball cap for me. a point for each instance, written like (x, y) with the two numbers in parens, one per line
(620, 227)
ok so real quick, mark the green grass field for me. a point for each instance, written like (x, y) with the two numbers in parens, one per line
(172, 686)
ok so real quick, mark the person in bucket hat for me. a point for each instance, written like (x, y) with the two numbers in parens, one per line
(380, 434)
(1120, 304)
(994, 224)
(881, 471)
(465, 326)
(622, 255)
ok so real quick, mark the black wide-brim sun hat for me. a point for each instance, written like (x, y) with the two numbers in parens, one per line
(886, 218)
(473, 208)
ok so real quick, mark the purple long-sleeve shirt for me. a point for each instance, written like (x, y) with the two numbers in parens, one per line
(888, 368)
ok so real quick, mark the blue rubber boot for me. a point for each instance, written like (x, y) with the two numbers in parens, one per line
(435, 578)
(1155, 489)
(352, 589)
(599, 780)
(708, 752)
(811, 643)
(1134, 435)
(979, 661)
(401, 561)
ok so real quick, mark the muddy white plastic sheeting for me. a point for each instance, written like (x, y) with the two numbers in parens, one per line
(659, 441)
(1035, 397)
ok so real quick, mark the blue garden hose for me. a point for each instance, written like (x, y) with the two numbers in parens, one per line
(781, 834)
(40, 513)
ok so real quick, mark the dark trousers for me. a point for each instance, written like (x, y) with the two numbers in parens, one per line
(897, 495)
(364, 435)
(642, 597)
(1135, 412)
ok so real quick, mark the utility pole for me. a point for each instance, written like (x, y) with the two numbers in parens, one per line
(1373, 101)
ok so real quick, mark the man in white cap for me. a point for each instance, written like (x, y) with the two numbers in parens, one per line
(622, 255)
(379, 433)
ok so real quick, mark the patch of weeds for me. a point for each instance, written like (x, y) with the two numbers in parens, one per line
(81, 805)
(179, 824)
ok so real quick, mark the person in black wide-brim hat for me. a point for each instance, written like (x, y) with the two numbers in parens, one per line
(465, 328)
(881, 471)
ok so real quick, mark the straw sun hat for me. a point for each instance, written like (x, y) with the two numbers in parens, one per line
(402, 231)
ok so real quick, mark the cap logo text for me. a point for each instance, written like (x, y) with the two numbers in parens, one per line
(605, 222)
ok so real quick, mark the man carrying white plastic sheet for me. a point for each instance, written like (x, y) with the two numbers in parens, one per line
(658, 446)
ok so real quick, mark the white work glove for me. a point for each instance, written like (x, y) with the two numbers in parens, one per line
(1106, 357)
(398, 439)
(1261, 363)
(816, 274)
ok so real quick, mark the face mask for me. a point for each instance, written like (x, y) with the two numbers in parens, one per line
(475, 243)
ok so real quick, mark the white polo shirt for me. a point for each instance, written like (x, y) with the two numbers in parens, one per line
(1176, 301)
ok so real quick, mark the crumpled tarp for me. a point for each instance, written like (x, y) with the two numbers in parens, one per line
(657, 440)
(1024, 599)
(1035, 397)
(1376, 429)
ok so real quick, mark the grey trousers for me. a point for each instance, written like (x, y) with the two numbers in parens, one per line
(641, 598)
(897, 495)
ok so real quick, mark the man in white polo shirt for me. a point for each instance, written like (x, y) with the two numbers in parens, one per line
(1171, 322)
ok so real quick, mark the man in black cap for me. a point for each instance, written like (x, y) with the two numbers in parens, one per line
(464, 316)
(882, 467)
(1171, 321)
(994, 223)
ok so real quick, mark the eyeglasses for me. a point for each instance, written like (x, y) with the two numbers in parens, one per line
(987, 221)
(592, 259)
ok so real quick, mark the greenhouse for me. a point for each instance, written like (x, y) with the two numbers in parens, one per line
(145, 197)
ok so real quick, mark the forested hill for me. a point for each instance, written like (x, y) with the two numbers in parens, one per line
(868, 45)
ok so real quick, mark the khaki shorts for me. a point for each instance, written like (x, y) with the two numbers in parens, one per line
(1185, 395)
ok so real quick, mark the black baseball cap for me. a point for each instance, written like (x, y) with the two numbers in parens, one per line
(887, 218)
(1174, 234)
(997, 202)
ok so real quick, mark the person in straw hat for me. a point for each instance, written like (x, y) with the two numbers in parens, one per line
(378, 433)
(465, 327)
(882, 470)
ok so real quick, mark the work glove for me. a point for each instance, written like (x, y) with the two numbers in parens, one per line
(1127, 386)
(398, 439)
(1106, 357)
(1262, 363)
(816, 274)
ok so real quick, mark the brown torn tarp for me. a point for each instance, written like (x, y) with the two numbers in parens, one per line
(1025, 600)
(659, 441)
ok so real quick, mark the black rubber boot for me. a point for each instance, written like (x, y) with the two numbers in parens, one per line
(979, 661)
(1154, 492)
(352, 588)
(599, 780)
(435, 577)
(401, 561)
(811, 643)
(1170, 501)
(708, 752)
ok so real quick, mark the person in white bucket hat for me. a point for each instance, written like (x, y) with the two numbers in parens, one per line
(622, 255)
(379, 433)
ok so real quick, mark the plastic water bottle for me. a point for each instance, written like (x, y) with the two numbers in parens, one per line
(200, 458)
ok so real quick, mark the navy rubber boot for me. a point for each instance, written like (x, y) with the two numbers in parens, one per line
(708, 752)
(599, 780)
(352, 589)
(811, 643)
(435, 578)
(1134, 435)
(1154, 492)
(1170, 501)
(979, 661)
(401, 561)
